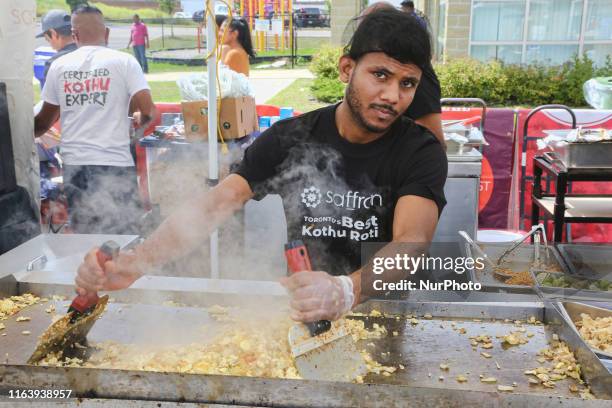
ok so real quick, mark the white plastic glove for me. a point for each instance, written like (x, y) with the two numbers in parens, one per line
(319, 296)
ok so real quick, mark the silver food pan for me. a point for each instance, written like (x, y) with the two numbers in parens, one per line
(573, 310)
(591, 261)
(584, 154)
(521, 259)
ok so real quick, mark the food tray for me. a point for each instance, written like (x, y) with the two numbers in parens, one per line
(572, 311)
(590, 261)
(521, 259)
(564, 286)
(588, 155)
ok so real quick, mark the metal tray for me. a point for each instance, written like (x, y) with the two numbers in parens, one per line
(593, 155)
(590, 261)
(580, 289)
(522, 259)
(572, 311)
(411, 347)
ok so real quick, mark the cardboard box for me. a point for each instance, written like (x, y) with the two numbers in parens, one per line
(238, 118)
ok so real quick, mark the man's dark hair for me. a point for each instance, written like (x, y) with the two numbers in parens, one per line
(136, 15)
(408, 3)
(397, 34)
(87, 9)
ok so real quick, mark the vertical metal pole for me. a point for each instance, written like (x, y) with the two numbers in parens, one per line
(213, 165)
(282, 16)
(291, 39)
(163, 46)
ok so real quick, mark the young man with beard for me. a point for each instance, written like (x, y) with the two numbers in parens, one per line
(352, 173)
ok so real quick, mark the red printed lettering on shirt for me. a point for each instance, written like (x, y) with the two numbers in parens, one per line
(104, 84)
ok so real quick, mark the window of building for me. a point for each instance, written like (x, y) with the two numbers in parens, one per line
(554, 20)
(510, 54)
(598, 52)
(497, 21)
(543, 31)
(441, 29)
(598, 24)
(549, 54)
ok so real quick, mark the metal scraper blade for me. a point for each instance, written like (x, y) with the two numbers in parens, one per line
(330, 356)
(62, 335)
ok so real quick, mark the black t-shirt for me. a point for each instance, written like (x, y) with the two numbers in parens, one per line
(338, 194)
(427, 97)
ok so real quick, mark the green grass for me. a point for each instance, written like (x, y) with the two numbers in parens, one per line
(165, 91)
(36, 93)
(161, 67)
(42, 6)
(110, 12)
(298, 96)
(115, 13)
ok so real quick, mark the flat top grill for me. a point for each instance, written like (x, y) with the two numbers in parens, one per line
(420, 348)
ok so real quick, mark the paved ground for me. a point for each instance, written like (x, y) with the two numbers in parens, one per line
(266, 83)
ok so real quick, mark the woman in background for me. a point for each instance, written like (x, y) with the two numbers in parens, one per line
(237, 45)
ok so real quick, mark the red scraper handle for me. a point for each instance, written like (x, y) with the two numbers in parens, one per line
(83, 303)
(299, 261)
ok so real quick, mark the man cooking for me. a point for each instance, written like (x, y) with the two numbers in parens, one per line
(352, 173)
(90, 90)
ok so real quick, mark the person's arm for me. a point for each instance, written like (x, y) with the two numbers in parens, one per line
(147, 36)
(182, 232)
(131, 35)
(433, 122)
(143, 102)
(318, 295)
(414, 224)
(48, 115)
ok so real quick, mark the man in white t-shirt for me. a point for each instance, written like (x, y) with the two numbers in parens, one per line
(90, 91)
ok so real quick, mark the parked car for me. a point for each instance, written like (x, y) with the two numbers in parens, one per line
(181, 14)
(311, 17)
(220, 10)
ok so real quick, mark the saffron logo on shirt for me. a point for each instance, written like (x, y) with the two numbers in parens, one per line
(363, 227)
(311, 197)
(86, 87)
(351, 200)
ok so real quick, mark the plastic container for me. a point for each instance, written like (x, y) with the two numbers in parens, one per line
(41, 55)
(264, 123)
(286, 113)
(598, 92)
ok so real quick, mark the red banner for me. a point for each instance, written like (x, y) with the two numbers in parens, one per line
(496, 178)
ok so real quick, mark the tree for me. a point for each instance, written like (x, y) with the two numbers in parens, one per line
(167, 6)
(75, 3)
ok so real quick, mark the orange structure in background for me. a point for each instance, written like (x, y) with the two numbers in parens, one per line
(252, 9)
